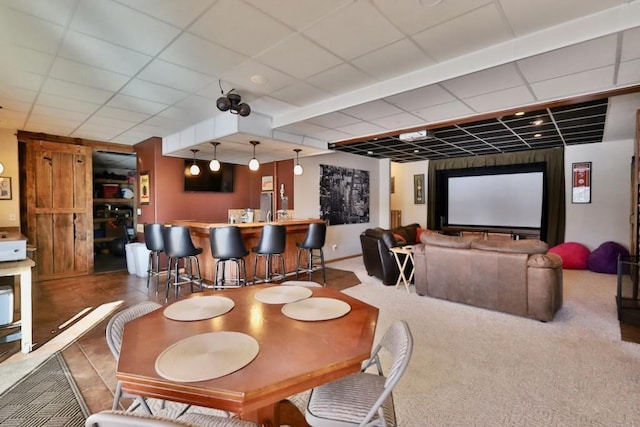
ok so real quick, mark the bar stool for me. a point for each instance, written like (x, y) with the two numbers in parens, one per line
(314, 240)
(155, 244)
(227, 245)
(179, 246)
(272, 242)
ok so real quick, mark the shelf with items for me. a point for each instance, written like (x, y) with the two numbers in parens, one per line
(114, 207)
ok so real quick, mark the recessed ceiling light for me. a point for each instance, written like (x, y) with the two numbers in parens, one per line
(416, 151)
(537, 135)
(537, 122)
(258, 79)
(519, 113)
(369, 153)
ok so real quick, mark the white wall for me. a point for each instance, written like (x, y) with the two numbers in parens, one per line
(607, 217)
(307, 199)
(402, 198)
(10, 209)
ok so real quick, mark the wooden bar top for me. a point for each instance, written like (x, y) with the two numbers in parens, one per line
(192, 224)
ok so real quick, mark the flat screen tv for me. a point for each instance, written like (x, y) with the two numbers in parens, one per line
(215, 182)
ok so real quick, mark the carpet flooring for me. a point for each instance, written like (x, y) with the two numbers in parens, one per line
(48, 396)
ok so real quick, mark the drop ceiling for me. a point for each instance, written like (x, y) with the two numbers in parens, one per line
(123, 71)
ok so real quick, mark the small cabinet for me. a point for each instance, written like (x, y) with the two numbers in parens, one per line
(114, 206)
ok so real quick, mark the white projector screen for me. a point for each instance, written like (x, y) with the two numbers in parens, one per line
(502, 200)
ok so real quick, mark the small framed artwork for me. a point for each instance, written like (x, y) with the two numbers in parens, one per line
(5, 188)
(145, 188)
(267, 183)
(418, 189)
(581, 182)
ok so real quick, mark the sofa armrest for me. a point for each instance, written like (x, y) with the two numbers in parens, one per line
(420, 269)
(544, 286)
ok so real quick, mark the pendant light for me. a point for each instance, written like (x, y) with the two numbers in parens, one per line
(297, 169)
(214, 164)
(1, 168)
(194, 170)
(254, 164)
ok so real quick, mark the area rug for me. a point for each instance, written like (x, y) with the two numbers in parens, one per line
(48, 396)
(336, 279)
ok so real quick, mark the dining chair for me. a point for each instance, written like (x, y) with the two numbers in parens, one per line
(364, 398)
(115, 331)
(128, 419)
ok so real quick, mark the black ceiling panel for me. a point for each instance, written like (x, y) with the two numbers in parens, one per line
(561, 126)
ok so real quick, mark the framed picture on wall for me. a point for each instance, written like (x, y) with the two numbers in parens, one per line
(5, 188)
(418, 189)
(145, 188)
(581, 182)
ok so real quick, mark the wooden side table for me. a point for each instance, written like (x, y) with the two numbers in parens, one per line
(407, 251)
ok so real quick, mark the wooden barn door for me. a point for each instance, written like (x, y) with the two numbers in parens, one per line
(59, 208)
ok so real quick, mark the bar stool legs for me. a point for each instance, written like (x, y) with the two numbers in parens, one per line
(188, 276)
(268, 267)
(227, 245)
(311, 257)
(273, 240)
(238, 281)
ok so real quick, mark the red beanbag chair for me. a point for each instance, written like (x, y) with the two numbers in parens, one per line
(605, 258)
(574, 255)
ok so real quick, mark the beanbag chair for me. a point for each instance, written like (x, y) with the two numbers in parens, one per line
(574, 255)
(604, 259)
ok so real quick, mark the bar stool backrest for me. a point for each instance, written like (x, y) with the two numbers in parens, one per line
(316, 235)
(273, 239)
(178, 243)
(153, 237)
(227, 243)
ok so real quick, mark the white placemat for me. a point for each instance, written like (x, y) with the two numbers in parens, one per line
(282, 294)
(206, 356)
(199, 308)
(317, 308)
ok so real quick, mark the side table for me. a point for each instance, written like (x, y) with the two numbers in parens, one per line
(407, 251)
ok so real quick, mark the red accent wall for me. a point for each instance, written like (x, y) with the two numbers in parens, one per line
(168, 200)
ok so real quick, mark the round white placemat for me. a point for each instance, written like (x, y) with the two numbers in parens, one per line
(317, 308)
(198, 308)
(283, 294)
(206, 356)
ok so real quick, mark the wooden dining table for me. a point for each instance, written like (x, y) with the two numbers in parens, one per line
(294, 355)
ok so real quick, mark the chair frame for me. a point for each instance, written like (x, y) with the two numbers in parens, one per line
(241, 267)
(311, 256)
(153, 265)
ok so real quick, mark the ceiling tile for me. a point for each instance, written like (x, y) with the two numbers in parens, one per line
(333, 120)
(393, 60)
(153, 92)
(362, 128)
(240, 27)
(336, 32)
(331, 135)
(186, 115)
(311, 58)
(240, 78)
(501, 99)
(398, 121)
(174, 76)
(27, 31)
(299, 14)
(527, 17)
(341, 79)
(628, 72)
(67, 103)
(195, 53)
(121, 114)
(420, 98)
(75, 91)
(98, 53)
(17, 94)
(136, 31)
(126, 102)
(372, 110)
(43, 110)
(585, 56)
(56, 11)
(303, 128)
(486, 81)
(300, 94)
(579, 83)
(171, 11)
(630, 45)
(465, 34)
(107, 122)
(87, 75)
(14, 106)
(21, 79)
(442, 112)
(26, 59)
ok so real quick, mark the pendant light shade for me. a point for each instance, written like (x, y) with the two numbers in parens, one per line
(254, 164)
(297, 169)
(214, 164)
(194, 170)
(1, 168)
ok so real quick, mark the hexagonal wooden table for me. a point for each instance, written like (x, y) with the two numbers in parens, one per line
(294, 355)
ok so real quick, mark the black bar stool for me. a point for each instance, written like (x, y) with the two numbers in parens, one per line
(179, 246)
(155, 244)
(227, 245)
(314, 240)
(272, 242)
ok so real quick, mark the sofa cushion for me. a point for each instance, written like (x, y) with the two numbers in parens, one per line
(549, 260)
(531, 246)
(408, 232)
(457, 242)
(574, 255)
(604, 259)
(400, 239)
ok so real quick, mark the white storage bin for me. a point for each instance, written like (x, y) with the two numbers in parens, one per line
(141, 256)
(6, 304)
(131, 261)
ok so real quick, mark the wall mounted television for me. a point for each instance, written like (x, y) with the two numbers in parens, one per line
(215, 182)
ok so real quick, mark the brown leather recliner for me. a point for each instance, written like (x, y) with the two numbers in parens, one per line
(376, 243)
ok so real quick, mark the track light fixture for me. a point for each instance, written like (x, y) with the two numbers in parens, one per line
(254, 164)
(214, 164)
(194, 169)
(232, 102)
(297, 169)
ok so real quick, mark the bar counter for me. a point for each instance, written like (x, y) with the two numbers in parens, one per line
(296, 231)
